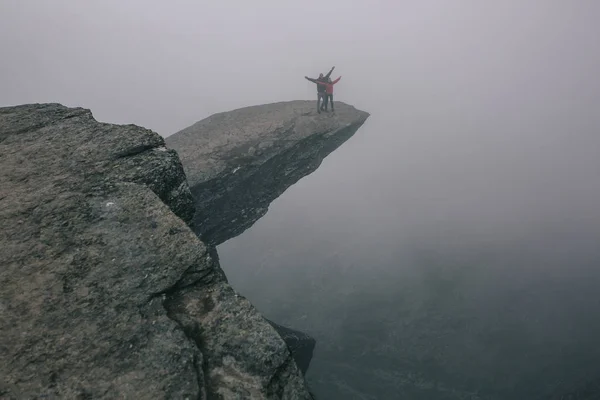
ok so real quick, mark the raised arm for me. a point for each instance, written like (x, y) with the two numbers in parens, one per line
(336, 81)
(312, 80)
(329, 73)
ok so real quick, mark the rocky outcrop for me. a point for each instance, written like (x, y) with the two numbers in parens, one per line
(105, 291)
(239, 161)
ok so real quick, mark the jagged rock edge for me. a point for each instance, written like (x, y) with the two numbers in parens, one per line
(340, 138)
(198, 365)
(76, 112)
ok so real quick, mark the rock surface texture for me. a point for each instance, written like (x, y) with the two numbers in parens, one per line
(239, 161)
(105, 291)
(300, 344)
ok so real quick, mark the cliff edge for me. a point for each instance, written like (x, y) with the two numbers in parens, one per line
(238, 162)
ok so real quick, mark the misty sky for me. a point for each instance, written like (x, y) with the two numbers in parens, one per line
(165, 65)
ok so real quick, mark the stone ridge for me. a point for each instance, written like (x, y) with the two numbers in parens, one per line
(105, 292)
(239, 161)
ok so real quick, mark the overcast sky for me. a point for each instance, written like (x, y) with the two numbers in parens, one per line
(166, 64)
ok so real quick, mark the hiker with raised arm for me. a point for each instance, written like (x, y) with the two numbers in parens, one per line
(329, 92)
(321, 82)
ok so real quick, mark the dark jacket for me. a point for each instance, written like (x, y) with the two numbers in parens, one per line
(329, 85)
(321, 88)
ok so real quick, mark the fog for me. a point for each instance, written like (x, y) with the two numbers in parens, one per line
(447, 251)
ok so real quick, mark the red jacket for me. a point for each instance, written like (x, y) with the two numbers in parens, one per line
(328, 86)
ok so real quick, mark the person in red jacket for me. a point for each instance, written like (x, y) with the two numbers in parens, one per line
(328, 84)
(329, 92)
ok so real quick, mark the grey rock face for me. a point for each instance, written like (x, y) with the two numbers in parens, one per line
(300, 344)
(105, 292)
(238, 162)
(245, 358)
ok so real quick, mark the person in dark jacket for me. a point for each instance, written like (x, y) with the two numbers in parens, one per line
(321, 82)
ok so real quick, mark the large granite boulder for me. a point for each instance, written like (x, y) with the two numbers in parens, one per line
(105, 292)
(238, 162)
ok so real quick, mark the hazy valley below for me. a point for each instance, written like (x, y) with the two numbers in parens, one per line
(469, 275)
